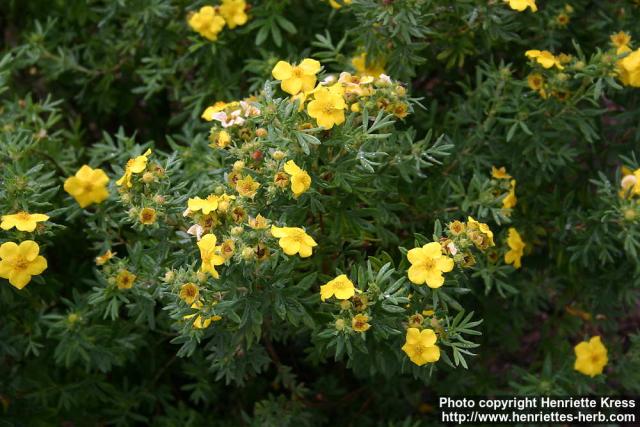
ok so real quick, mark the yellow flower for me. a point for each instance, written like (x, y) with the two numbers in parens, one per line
(233, 12)
(125, 279)
(457, 227)
(360, 323)
(199, 322)
(134, 166)
(206, 22)
(327, 107)
(620, 39)
(479, 233)
(212, 109)
(294, 240)
(516, 248)
(499, 173)
(22, 221)
(301, 97)
(544, 58)
(535, 81)
(340, 287)
(102, 259)
(415, 321)
(258, 223)
(147, 216)
(207, 205)
(420, 346)
(521, 5)
(210, 255)
(220, 139)
(427, 265)
(359, 63)
(510, 200)
(629, 69)
(87, 186)
(19, 262)
(227, 248)
(189, 292)
(562, 19)
(630, 183)
(334, 4)
(247, 187)
(296, 78)
(591, 357)
(280, 179)
(300, 179)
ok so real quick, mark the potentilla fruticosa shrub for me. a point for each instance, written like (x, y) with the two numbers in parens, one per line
(277, 212)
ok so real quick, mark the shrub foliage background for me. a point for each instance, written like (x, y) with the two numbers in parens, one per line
(123, 341)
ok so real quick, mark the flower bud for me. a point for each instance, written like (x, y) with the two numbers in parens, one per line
(201, 276)
(278, 155)
(261, 132)
(147, 177)
(248, 254)
(238, 166)
(257, 155)
(237, 230)
(169, 276)
(630, 214)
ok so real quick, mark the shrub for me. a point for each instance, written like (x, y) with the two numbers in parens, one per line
(276, 213)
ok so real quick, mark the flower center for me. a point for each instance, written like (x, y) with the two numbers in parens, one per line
(298, 72)
(24, 216)
(21, 263)
(429, 263)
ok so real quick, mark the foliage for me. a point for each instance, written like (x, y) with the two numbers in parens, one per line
(296, 189)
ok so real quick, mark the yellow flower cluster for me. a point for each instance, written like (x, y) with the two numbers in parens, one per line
(343, 289)
(432, 260)
(133, 167)
(510, 200)
(544, 58)
(209, 21)
(201, 322)
(329, 100)
(19, 262)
